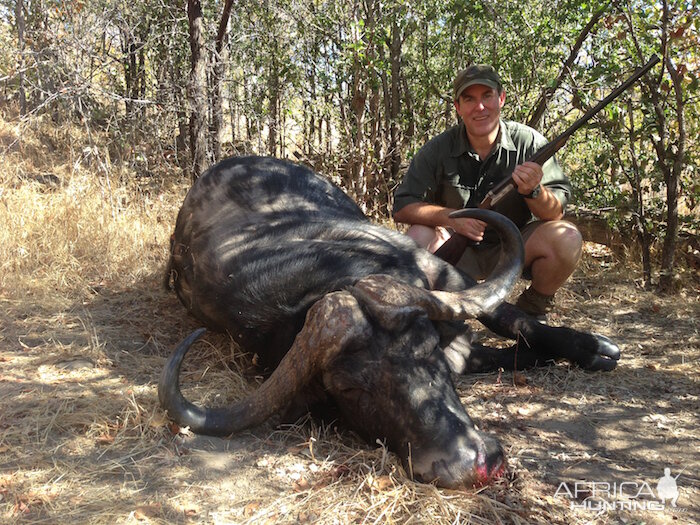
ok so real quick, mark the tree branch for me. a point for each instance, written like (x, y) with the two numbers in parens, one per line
(548, 92)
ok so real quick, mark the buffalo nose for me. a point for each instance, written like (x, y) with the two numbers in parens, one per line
(491, 463)
(469, 460)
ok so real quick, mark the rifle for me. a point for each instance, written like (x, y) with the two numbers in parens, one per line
(451, 251)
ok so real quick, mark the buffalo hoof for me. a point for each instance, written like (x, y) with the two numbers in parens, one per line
(603, 357)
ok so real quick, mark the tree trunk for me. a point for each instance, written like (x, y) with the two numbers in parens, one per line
(394, 141)
(233, 113)
(354, 123)
(310, 135)
(128, 70)
(410, 131)
(359, 97)
(328, 140)
(672, 177)
(134, 64)
(19, 15)
(197, 90)
(643, 234)
(273, 84)
(218, 68)
(385, 133)
(669, 162)
(246, 113)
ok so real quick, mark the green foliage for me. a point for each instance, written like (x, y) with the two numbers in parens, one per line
(323, 70)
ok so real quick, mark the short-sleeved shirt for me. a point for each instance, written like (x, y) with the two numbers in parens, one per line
(448, 172)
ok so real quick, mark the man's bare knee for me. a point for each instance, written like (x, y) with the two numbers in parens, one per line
(427, 237)
(568, 244)
(553, 251)
(421, 234)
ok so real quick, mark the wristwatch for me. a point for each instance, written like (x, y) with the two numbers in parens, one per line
(534, 193)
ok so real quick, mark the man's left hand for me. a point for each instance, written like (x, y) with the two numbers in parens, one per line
(527, 177)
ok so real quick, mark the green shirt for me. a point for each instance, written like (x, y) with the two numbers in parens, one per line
(448, 172)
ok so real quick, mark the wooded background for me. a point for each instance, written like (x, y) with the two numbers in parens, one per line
(353, 88)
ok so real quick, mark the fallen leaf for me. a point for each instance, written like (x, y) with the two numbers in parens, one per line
(105, 439)
(382, 483)
(144, 512)
(307, 517)
(519, 379)
(158, 420)
(301, 485)
(251, 508)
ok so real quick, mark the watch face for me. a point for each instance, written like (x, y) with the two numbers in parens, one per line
(534, 193)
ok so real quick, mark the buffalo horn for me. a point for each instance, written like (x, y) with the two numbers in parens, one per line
(464, 304)
(330, 324)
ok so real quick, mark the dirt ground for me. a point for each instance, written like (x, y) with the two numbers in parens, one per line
(82, 439)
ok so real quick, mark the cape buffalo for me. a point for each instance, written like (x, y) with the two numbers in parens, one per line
(349, 313)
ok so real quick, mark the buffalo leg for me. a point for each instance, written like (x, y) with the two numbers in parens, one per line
(517, 357)
(465, 356)
(589, 351)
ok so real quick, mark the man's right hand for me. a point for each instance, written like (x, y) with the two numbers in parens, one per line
(433, 215)
(471, 228)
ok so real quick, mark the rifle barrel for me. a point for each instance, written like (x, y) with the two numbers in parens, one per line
(559, 141)
(547, 151)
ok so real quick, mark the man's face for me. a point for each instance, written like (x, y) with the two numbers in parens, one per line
(480, 109)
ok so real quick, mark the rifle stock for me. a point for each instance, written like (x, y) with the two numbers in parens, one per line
(451, 251)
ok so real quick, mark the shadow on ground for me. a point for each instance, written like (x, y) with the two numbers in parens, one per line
(83, 439)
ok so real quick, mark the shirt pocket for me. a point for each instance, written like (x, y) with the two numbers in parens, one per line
(453, 193)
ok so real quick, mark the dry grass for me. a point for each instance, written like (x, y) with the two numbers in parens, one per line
(85, 330)
(72, 224)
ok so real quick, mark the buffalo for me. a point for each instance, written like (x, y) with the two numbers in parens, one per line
(351, 315)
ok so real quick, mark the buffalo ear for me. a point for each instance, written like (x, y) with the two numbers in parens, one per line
(390, 317)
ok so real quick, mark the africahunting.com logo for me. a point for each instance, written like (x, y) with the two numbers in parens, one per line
(627, 495)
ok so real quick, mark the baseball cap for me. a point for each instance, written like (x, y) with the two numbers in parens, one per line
(476, 74)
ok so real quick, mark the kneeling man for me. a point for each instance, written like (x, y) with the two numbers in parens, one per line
(457, 169)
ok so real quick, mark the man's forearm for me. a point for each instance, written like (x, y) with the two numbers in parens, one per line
(432, 215)
(424, 213)
(546, 206)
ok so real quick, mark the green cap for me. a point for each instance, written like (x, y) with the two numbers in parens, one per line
(477, 74)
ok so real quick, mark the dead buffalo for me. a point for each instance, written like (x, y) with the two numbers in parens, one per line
(350, 314)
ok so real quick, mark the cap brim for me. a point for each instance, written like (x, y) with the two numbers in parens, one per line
(482, 81)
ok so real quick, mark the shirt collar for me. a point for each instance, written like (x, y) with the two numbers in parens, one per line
(506, 140)
(462, 146)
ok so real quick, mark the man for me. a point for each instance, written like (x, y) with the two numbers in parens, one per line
(458, 167)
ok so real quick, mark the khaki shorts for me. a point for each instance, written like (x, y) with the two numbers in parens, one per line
(479, 260)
